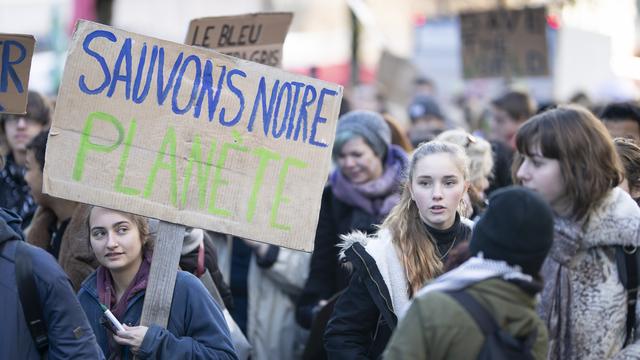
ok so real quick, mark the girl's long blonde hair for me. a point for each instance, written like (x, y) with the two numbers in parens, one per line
(416, 245)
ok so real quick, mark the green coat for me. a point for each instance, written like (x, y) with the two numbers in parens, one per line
(437, 327)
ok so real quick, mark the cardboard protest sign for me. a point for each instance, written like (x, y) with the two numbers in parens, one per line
(191, 136)
(395, 78)
(504, 43)
(255, 37)
(16, 52)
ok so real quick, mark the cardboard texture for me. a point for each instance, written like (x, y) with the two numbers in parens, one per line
(255, 37)
(395, 78)
(504, 43)
(16, 52)
(203, 139)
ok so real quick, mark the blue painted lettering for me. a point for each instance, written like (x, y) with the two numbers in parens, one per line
(238, 93)
(317, 119)
(178, 84)
(103, 63)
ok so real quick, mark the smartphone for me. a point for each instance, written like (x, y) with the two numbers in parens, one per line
(104, 321)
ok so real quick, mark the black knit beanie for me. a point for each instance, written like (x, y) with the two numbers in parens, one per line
(517, 227)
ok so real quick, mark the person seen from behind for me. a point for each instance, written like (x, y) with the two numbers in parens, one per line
(509, 244)
(69, 335)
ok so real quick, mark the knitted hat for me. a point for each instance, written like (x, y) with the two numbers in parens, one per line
(422, 106)
(192, 239)
(368, 124)
(517, 227)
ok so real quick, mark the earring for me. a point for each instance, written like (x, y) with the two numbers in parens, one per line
(464, 208)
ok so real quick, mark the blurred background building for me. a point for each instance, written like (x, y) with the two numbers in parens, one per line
(592, 43)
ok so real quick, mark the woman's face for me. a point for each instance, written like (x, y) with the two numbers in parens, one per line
(20, 130)
(543, 175)
(437, 187)
(115, 240)
(358, 163)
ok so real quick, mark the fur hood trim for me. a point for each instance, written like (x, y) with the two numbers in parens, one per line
(361, 237)
(348, 240)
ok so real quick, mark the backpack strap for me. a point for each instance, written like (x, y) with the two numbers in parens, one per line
(627, 263)
(480, 315)
(208, 283)
(29, 297)
(487, 323)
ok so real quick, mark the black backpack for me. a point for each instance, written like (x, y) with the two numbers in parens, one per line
(628, 269)
(498, 344)
(30, 298)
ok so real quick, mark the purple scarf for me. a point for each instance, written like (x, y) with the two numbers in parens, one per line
(107, 296)
(376, 197)
(107, 292)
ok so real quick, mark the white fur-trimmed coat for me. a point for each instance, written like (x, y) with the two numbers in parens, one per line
(380, 247)
(382, 250)
(367, 312)
(583, 302)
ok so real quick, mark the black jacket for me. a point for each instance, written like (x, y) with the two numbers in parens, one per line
(502, 161)
(326, 276)
(363, 318)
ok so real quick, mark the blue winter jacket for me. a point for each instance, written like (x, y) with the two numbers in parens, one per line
(196, 327)
(70, 336)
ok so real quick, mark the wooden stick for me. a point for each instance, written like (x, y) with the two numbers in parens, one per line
(162, 276)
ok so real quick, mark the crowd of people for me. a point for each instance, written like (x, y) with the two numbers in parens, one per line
(433, 242)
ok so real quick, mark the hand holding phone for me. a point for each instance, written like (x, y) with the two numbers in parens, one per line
(112, 319)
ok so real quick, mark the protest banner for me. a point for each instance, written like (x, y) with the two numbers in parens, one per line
(16, 52)
(395, 78)
(191, 136)
(255, 37)
(504, 43)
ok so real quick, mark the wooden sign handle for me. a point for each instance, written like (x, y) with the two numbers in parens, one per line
(162, 276)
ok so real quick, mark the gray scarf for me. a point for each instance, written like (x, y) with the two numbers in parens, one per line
(578, 280)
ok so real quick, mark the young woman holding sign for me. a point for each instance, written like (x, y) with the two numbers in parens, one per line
(122, 244)
(566, 155)
(409, 249)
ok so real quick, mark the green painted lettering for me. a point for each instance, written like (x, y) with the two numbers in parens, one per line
(217, 177)
(279, 198)
(168, 147)
(265, 156)
(202, 173)
(86, 144)
(124, 159)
